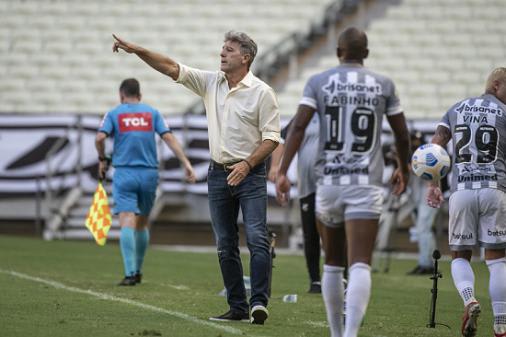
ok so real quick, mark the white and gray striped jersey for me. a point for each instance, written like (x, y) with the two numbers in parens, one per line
(351, 101)
(307, 155)
(478, 128)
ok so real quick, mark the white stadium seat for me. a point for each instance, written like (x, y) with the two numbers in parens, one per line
(420, 43)
(73, 40)
(431, 51)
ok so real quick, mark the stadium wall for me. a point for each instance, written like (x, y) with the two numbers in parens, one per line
(64, 144)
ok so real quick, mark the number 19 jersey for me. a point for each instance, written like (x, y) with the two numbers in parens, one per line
(478, 128)
(351, 101)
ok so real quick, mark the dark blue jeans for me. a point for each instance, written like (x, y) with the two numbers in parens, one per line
(224, 202)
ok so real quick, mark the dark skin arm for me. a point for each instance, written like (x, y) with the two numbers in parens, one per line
(442, 136)
(400, 176)
(434, 193)
(242, 168)
(292, 144)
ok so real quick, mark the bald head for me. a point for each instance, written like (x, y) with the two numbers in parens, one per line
(496, 84)
(352, 46)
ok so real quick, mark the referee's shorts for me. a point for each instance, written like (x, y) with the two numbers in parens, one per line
(134, 189)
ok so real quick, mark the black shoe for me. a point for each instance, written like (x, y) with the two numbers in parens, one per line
(128, 281)
(315, 288)
(259, 314)
(231, 316)
(426, 271)
(419, 270)
(138, 277)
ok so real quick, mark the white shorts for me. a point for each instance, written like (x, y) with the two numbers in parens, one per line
(336, 204)
(477, 216)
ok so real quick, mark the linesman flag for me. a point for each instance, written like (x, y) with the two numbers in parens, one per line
(99, 217)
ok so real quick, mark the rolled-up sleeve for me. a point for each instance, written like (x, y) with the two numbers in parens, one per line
(393, 103)
(269, 117)
(309, 94)
(193, 79)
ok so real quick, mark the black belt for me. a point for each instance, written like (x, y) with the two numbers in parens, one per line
(225, 167)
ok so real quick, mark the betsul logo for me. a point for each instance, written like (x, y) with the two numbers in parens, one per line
(138, 121)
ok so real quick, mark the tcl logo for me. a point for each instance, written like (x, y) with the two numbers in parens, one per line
(138, 121)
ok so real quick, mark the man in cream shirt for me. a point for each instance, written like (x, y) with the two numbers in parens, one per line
(244, 129)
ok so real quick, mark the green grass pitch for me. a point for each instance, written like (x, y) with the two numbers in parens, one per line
(64, 288)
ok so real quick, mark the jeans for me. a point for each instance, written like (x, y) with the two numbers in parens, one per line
(224, 203)
(424, 221)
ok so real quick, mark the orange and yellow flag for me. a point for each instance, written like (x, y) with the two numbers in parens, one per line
(99, 217)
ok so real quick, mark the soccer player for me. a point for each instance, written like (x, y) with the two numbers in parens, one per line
(306, 186)
(477, 205)
(133, 125)
(351, 101)
(243, 117)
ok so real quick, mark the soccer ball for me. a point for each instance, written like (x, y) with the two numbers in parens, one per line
(430, 162)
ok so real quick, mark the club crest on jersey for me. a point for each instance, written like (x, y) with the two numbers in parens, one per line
(136, 121)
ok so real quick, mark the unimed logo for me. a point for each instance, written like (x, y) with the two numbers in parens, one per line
(137, 121)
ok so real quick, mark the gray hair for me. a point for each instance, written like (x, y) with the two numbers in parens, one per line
(246, 43)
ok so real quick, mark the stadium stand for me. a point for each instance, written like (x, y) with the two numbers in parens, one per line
(56, 57)
(437, 52)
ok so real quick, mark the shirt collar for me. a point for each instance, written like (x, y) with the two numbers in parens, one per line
(495, 100)
(351, 65)
(247, 80)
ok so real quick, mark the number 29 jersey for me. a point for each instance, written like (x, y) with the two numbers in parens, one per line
(351, 101)
(478, 128)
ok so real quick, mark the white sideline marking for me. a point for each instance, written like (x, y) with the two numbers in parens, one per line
(316, 324)
(104, 296)
(178, 287)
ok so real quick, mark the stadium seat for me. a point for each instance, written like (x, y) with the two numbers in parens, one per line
(430, 50)
(78, 36)
(15, 84)
(55, 72)
(58, 47)
(26, 46)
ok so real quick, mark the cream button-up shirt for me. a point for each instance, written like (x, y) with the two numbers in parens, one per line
(239, 119)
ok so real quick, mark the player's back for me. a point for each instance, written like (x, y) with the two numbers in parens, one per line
(476, 125)
(133, 127)
(351, 101)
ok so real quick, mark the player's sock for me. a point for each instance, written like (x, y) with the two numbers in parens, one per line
(463, 278)
(127, 245)
(141, 245)
(332, 292)
(357, 297)
(497, 291)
